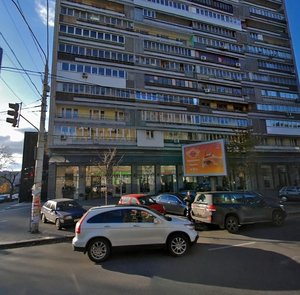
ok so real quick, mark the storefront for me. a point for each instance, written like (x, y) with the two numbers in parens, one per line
(92, 181)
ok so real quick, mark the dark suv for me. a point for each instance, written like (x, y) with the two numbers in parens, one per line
(231, 209)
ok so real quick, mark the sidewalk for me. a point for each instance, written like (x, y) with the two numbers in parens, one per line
(20, 236)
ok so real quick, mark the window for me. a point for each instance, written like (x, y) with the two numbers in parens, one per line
(267, 176)
(149, 134)
(252, 199)
(134, 215)
(114, 216)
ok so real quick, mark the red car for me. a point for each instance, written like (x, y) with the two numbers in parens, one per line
(141, 199)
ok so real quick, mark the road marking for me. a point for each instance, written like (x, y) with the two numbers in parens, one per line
(226, 247)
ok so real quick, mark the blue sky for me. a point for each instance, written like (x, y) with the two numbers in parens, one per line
(20, 51)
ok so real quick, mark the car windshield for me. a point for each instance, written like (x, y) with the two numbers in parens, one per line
(65, 206)
(146, 201)
(180, 196)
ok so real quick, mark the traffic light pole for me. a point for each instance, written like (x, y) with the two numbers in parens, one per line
(37, 185)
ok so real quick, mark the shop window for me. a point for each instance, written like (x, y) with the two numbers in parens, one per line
(267, 176)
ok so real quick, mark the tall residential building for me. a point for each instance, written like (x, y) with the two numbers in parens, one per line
(148, 76)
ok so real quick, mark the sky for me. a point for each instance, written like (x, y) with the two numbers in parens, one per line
(21, 23)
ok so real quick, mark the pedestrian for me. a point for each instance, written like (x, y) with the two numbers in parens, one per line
(188, 200)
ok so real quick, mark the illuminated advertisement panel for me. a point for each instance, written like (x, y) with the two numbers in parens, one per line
(204, 159)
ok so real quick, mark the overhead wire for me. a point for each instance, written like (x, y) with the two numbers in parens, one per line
(37, 43)
(19, 34)
(11, 89)
(12, 51)
(22, 71)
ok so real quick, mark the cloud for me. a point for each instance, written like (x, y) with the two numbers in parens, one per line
(41, 8)
(14, 142)
(14, 147)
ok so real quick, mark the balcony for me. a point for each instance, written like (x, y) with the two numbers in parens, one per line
(73, 142)
(106, 120)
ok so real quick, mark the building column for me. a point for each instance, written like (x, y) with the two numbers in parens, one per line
(157, 178)
(179, 177)
(134, 177)
(51, 181)
(82, 180)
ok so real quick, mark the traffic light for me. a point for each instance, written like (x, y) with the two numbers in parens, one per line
(14, 112)
(28, 173)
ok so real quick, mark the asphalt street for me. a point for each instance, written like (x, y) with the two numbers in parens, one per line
(15, 224)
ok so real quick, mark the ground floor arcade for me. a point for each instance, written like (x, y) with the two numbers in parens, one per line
(76, 177)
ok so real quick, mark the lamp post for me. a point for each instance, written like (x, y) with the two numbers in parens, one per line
(37, 184)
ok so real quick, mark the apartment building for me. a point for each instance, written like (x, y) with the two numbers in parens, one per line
(149, 76)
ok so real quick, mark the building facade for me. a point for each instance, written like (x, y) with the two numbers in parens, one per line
(148, 76)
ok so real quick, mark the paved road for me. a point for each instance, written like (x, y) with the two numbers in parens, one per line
(15, 224)
(260, 260)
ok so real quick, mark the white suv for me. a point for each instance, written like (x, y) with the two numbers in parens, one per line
(102, 228)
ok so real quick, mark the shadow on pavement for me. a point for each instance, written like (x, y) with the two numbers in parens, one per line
(238, 267)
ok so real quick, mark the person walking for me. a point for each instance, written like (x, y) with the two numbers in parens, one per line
(188, 200)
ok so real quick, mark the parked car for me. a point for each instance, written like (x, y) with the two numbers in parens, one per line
(105, 227)
(173, 202)
(289, 193)
(62, 212)
(141, 199)
(231, 209)
(15, 197)
(4, 198)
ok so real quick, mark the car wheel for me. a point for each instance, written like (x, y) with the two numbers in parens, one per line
(98, 250)
(232, 224)
(44, 219)
(58, 224)
(277, 218)
(178, 244)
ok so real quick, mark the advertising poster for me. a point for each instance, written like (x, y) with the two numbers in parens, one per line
(204, 159)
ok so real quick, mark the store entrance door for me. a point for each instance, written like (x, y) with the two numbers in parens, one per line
(167, 183)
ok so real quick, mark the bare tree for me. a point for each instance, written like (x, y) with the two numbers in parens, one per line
(107, 161)
(10, 177)
(5, 157)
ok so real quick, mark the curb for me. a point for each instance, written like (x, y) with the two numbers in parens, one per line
(42, 241)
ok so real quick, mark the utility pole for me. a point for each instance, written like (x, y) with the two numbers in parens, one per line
(37, 185)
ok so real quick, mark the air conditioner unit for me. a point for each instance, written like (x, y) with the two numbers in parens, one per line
(206, 90)
(238, 65)
(84, 75)
(63, 137)
(202, 57)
